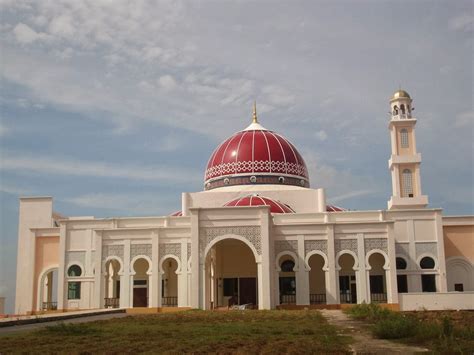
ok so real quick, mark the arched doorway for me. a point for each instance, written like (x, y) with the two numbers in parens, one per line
(169, 283)
(317, 280)
(230, 275)
(112, 284)
(287, 279)
(48, 295)
(377, 278)
(140, 294)
(347, 279)
(460, 274)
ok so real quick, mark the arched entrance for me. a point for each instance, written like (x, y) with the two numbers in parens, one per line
(140, 294)
(377, 278)
(112, 284)
(317, 280)
(287, 279)
(347, 279)
(169, 283)
(230, 275)
(47, 293)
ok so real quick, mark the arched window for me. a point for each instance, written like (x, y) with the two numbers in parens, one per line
(395, 110)
(74, 271)
(402, 109)
(407, 183)
(427, 263)
(404, 138)
(287, 266)
(401, 263)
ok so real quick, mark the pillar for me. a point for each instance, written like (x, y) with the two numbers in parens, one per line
(98, 289)
(155, 287)
(302, 275)
(361, 273)
(391, 272)
(263, 265)
(332, 280)
(196, 264)
(62, 303)
(125, 277)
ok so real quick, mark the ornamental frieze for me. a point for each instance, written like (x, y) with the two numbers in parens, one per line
(375, 243)
(321, 245)
(140, 249)
(286, 245)
(345, 244)
(112, 250)
(250, 233)
(170, 249)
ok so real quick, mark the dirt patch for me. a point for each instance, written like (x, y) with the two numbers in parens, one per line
(364, 342)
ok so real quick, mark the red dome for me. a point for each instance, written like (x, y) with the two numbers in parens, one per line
(255, 156)
(255, 200)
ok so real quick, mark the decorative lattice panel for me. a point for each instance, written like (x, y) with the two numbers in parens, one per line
(402, 249)
(73, 257)
(251, 233)
(321, 245)
(140, 249)
(286, 245)
(189, 250)
(112, 250)
(375, 243)
(345, 244)
(426, 248)
(170, 249)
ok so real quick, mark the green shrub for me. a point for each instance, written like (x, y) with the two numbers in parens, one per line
(395, 327)
(371, 312)
(71, 329)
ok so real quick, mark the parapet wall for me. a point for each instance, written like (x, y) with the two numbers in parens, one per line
(436, 301)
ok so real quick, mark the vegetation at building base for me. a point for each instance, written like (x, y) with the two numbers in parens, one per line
(194, 331)
(443, 331)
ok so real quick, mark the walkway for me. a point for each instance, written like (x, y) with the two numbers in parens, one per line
(364, 342)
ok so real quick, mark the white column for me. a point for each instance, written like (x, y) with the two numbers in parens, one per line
(361, 273)
(413, 280)
(441, 282)
(332, 284)
(182, 276)
(155, 287)
(62, 286)
(196, 266)
(125, 300)
(263, 265)
(391, 272)
(302, 275)
(98, 289)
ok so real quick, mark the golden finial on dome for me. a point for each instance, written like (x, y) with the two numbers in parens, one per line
(254, 117)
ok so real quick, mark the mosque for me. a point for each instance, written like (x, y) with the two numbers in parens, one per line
(257, 236)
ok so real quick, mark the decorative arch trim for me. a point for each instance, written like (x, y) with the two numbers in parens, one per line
(116, 258)
(170, 256)
(135, 258)
(354, 255)
(386, 265)
(421, 256)
(283, 253)
(231, 236)
(316, 252)
(39, 295)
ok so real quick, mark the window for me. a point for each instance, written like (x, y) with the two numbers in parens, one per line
(74, 290)
(404, 138)
(395, 110)
(428, 283)
(287, 266)
(402, 109)
(74, 271)
(402, 283)
(427, 263)
(401, 263)
(139, 282)
(230, 287)
(376, 284)
(459, 287)
(407, 183)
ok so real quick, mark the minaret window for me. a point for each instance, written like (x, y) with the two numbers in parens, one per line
(402, 109)
(404, 138)
(395, 110)
(407, 183)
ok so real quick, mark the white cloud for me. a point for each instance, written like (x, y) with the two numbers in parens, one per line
(25, 35)
(70, 167)
(464, 22)
(464, 119)
(321, 135)
(167, 82)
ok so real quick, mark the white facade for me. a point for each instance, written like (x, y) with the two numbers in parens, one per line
(215, 255)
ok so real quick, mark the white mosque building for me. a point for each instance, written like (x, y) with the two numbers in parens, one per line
(258, 235)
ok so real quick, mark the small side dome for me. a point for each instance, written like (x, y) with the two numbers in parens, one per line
(331, 208)
(256, 200)
(399, 94)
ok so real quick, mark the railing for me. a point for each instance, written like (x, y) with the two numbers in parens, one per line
(112, 302)
(401, 116)
(50, 306)
(346, 297)
(317, 298)
(287, 299)
(169, 301)
(378, 297)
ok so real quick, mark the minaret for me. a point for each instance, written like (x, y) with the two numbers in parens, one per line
(404, 163)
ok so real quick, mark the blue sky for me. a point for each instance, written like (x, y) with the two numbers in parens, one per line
(113, 107)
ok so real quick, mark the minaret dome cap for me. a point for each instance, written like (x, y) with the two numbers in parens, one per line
(400, 94)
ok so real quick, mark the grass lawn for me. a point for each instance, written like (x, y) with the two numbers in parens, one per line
(440, 331)
(192, 331)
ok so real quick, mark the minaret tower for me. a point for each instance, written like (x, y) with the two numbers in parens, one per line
(404, 163)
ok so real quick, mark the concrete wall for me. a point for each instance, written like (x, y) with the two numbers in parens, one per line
(436, 301)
